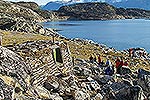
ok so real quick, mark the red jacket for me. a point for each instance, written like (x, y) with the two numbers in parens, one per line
(99, 59)
(125, 63)
(117, 63)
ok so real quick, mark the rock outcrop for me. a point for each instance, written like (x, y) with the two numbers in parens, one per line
(14, 17)
(41, 74)
(34, 78)
(30, 5)
(13, 71)
(47, 15)
(50, 15)
(100, 11)
(24, 17)
(22, 25)
(12, 10)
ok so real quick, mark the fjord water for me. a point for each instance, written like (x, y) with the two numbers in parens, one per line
(120, 34)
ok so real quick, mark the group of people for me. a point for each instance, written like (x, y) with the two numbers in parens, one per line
(137, 52)
(109, 67)
(97, 60)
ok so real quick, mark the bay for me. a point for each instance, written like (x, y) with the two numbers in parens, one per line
(119, 34)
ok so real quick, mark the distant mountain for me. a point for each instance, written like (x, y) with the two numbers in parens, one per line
(53, 5)
(100, 11)
(143, 4)
(112, 1)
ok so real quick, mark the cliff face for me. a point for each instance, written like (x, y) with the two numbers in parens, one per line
(100, 11)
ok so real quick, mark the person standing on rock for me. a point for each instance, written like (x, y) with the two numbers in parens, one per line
(99, 60)
(91, 59)
(117, 62)
(133, 52)
(110, 69)
(108, 62)
(130, 52)
(120, 66)
(94, 59)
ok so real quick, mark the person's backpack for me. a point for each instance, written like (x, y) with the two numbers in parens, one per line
(109, 71)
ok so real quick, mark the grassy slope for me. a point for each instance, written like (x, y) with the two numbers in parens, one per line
(10, 38)
(78, 50)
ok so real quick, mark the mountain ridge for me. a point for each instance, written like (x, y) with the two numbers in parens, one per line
(101, 11)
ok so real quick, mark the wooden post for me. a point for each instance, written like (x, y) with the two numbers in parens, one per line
(53, 39)
(0, 40)
(73, 61)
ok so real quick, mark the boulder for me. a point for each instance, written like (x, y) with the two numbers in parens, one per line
(142, 72)
(48, 86)
(103, 79)
(80, 95)
(125, 70)
(13, 65)
(144, 82)
(130, 93)
(6, 91)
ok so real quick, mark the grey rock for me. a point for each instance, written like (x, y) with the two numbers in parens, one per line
(14, 66)
(125, 70)
(144, 82)
(104, 79)
(130, 93)
(5, 91)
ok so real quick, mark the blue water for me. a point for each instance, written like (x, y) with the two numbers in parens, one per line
(120, 34)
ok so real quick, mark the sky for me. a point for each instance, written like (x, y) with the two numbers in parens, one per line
(40, 2)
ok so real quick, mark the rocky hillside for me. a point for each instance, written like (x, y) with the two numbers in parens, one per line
(11, 10)
(47, 15)
(30, 5)
(100, 11)
(23, 17)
